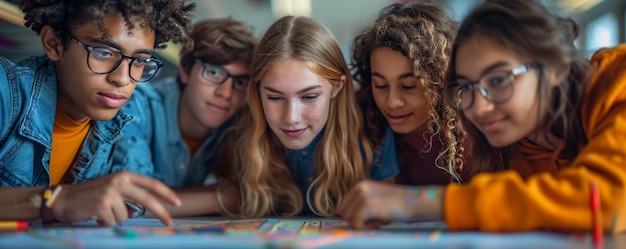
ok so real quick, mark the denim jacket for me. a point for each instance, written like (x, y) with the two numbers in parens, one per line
(28, 99)
(173, 163)
(300, 164)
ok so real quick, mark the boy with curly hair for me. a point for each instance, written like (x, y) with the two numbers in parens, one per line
(61, 112)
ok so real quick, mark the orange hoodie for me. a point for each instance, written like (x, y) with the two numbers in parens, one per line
(541, 191)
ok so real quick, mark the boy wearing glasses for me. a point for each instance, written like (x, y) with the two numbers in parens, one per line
(61, 114)
(188, 115)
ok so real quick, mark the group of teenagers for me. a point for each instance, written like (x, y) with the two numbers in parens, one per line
(496, 124)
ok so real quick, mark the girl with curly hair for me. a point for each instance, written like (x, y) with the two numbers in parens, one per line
(547, 127)
(61, 112)
(400, 63)
(302, 146)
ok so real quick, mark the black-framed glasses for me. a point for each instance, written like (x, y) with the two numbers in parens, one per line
(105, 59)
(218, 75)
(496, 87)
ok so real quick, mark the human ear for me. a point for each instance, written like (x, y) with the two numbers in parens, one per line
(52, 45)
(184, 76)
(336, 89)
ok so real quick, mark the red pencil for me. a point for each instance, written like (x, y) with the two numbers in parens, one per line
(596, 215)
(13, 225)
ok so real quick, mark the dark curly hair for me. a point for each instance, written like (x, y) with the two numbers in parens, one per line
(423, 31)
(170, 19)
(219, 41)
(530, 30)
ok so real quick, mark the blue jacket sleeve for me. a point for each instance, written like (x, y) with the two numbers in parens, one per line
(386, 163)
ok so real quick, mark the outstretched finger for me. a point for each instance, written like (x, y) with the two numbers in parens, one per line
(356, 213)
(106, 218)
(360, 217)
(119, 211)
(155, 187)
(357, 192)
(150, 203)
(146, 199)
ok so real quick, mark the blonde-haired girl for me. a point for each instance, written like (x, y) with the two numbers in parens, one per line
(302, 145)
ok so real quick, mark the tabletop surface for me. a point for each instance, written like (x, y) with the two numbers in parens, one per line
(215, 232)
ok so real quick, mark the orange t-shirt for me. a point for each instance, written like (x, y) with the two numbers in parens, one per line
(67, 137)
(543, 191)
(192, 144)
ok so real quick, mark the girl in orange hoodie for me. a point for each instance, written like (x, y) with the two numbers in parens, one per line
(545, 122)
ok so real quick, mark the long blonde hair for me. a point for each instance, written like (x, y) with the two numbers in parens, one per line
(341, 158)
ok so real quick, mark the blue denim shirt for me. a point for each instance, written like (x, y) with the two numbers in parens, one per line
(28, 99)
(171, 157)
(300, 164)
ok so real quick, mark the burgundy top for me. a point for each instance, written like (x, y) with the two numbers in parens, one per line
(418, 167)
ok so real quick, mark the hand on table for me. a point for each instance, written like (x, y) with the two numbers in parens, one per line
(103, 199)
(371, 204)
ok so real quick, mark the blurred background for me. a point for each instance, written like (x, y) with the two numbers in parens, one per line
(603, 21)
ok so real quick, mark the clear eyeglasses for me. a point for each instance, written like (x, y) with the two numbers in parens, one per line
(218, 75)
(105, 59)
(496, 87)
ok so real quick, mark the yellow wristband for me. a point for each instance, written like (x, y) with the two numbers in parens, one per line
(48, 197)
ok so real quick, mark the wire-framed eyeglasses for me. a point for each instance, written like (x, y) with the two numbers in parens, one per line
(496, 87)
(105, 59)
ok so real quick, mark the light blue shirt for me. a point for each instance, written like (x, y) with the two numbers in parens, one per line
(301, 165)
(28, 99)
(173, 163)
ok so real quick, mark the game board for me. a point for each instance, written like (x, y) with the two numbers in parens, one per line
(212, 232)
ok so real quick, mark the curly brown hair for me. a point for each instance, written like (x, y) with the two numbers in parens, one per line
(422, 31)
(170, 19)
